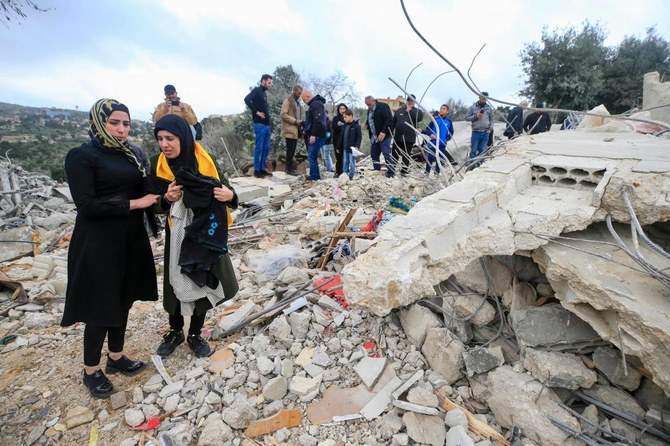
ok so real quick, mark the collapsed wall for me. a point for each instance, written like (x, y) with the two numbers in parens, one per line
(543, 186)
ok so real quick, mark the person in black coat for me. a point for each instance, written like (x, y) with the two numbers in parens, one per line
(537, 122)
(515, 120)
(338, 125)
(378, 127)
(404, 136)
(110, 263)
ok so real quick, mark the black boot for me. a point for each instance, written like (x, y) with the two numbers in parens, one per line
(171, 341)
(199, 346)
(123, 365)
(98, 384)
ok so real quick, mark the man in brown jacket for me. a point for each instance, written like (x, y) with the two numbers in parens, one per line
(291, 126)
(172, 105)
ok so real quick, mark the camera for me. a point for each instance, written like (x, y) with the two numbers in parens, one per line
(174, 102)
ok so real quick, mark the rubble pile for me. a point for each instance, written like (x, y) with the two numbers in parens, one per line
(365, 317)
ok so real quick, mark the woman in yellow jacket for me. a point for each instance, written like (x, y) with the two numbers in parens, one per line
(198, 271)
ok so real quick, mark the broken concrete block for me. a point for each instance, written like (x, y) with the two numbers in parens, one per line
(481, 360)
(444, 354)
(118, 400)
(302, 386)
(378, 404)
(473, 277)
(77, 416)
(214, 433)
(601, 292)
(458, 436)
(617, 398)
(552, 327)
(276, 388)
(416, 320)
(609, 361)
(555, 369)
(422, 395)
(416, 408)
(133, 417)
(17, 243)
(239, 414)
(426, 429)
(468, 305)
(370, 369)
(416, 376)
(230, 320)
(516, 399)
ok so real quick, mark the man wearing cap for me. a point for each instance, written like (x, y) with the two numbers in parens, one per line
(404, 121)
(481, 115)
(172, 105)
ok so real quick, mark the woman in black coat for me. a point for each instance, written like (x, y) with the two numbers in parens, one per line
(338, 125)
(198, 272)
(110, 263)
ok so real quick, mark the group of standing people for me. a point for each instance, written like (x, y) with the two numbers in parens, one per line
(116, 188)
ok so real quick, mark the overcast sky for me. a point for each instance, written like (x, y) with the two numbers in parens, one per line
(214, 50)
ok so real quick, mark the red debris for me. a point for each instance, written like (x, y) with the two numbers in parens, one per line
(337, 294)
(152, 423)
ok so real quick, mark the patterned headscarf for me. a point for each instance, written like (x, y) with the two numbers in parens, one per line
(97, 117)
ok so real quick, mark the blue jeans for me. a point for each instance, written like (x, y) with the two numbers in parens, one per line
(478, 143)
(312, 157)
(349, 164)
(378, 148)
(261, 146)
(327, 160)
(432, 160)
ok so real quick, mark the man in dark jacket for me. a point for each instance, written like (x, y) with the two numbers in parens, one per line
(315, 130)
(515, 120)
(257, 102)
(378, 127)
(537, 122)
(404, 136)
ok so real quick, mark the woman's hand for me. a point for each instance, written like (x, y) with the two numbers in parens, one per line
(223, 194)
(144, 202)
(174, 192)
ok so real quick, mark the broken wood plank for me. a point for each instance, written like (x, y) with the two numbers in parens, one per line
(354, 234)
(282, 419)
(334, 239)
(474, 424)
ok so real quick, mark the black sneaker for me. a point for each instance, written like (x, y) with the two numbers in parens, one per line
(171, 341)
(258, 174)
(293, 173)
(265, 173)
(124, 365)
(98, 384)
(199, 346)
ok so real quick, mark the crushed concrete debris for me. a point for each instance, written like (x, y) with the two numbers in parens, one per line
(459, 321)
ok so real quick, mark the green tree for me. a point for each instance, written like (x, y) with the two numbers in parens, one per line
(566, 70)
(627, 66)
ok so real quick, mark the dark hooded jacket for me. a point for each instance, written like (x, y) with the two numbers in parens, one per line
(315, 118)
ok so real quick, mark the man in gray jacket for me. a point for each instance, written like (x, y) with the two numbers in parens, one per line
(481, 115)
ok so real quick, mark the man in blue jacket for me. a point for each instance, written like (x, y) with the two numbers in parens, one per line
(257, 102)
(445, 129)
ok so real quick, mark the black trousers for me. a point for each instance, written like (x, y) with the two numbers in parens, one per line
(291, 144)
(94, 338)
(339, 160)
(197, 322)
(401, 152)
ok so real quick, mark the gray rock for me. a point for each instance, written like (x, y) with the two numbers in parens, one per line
(552, 327)
(608, 361)
(275, 388)
(444, 354)
(265, 365)
(35, 434)
(171, 389)
(299, 323)
(556, 369)
(456, 417)
(118, 400)
(425, 428)
(616, 398)
(416, 320)
(133, 417)
(280, 330)
(215, 433)
(307, 440)
(481, 359)
(391, 424)
(467, 305)
(458, 436)
(38, 320)
(321, 358)
(239, 414)
(422, 396)
(516, 399)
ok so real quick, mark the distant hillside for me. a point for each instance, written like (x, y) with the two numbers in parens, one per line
(38, 138)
